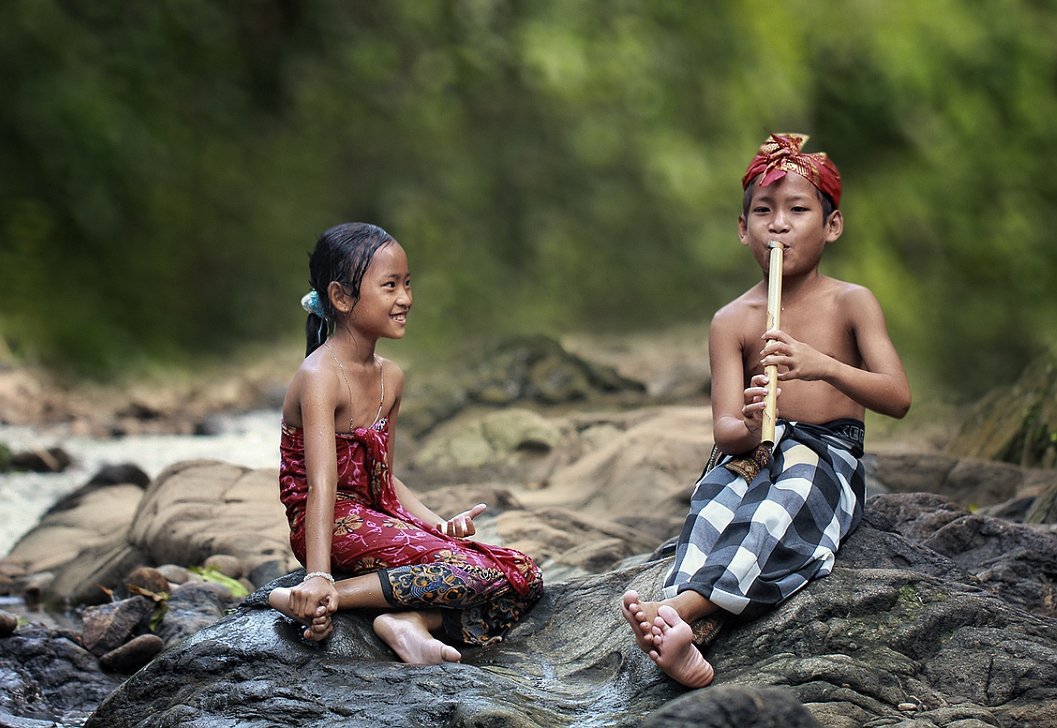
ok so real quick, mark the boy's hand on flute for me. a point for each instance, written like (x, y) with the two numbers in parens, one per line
(755, 403)
(794, 359)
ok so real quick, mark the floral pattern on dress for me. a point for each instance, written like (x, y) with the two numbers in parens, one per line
(418, 564)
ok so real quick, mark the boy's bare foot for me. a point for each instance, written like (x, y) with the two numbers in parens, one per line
(675, 653)
(640, 615)
(317, 630)
(407, 635)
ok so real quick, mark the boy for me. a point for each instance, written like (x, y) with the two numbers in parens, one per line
(748, 546)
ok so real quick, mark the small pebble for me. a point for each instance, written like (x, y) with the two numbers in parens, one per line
(147, 578)
(174, 573)
(8, 623)
(132, 655)
(226, 564)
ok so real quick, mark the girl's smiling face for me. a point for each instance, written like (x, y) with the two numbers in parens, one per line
(385, 294)
(789, 211)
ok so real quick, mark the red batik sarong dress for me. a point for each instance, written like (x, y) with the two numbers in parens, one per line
(481, 590)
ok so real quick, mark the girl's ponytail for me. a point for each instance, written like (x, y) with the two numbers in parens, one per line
(316, 329)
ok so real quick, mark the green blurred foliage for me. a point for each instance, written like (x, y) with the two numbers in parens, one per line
(551, 165)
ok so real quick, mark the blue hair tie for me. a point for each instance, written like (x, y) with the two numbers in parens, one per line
(311, 303)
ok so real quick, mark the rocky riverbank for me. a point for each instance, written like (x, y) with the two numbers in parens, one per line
(941, 609)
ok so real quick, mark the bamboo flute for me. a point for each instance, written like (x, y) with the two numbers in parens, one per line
(774, 316)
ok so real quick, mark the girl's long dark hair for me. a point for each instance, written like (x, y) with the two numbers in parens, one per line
(342, 254)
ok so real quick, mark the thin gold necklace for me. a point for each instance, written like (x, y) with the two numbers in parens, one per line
(343, 376)
(348, 387)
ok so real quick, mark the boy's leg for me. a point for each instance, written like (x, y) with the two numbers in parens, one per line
(641, 614)
(676, 653)
(716, 496)
(783, 532)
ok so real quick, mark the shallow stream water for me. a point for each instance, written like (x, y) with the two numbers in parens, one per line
(250, 439)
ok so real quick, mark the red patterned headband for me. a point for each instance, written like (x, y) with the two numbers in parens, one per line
(781, 154)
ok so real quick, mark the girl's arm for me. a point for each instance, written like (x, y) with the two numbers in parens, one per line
(462, 524)
(318, 402)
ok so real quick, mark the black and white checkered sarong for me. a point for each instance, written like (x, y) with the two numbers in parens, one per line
(749, 546)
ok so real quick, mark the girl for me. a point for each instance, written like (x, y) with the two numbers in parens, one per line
(347, 512)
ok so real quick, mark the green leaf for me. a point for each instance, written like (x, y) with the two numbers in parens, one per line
(233, 585)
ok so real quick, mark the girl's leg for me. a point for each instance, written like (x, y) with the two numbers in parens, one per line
(409, 635)
(478, 604)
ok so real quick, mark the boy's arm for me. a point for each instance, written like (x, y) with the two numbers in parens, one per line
(734, 430)
(880, 384)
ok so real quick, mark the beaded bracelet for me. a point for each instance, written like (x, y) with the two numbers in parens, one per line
(324, 574)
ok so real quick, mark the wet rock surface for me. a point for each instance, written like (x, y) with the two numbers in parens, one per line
(897, 632)
(48, 678)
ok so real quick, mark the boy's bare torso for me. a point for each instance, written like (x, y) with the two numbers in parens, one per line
(819, 315)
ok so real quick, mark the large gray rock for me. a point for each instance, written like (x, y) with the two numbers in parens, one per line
(971, 482)
(87, 521)
(523, 370)
(1015, 560)
(897, 633)
(193, 510)
(513, 441)
(198, 508)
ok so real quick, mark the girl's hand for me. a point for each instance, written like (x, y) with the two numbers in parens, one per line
(462, 525)
(306, 597)
(794, 359)
(755, 403)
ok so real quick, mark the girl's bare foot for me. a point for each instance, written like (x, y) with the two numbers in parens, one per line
(675, 653)
(408, 636)
(316, 630)
(641, 617)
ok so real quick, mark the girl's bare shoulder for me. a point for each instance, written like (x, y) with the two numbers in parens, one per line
(394, 375)
(315, 377)
(313, 367)
(312, 385)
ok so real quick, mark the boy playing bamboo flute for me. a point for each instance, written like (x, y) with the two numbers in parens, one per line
(752, 539)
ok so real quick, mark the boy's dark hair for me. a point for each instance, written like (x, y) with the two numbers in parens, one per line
(342, 254)
(827, 202)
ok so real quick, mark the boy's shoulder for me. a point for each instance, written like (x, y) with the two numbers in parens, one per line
(749, 302)
(844, 292)
(734, 320)
(830, 293)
